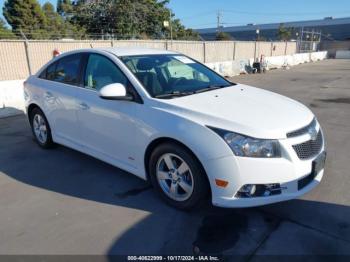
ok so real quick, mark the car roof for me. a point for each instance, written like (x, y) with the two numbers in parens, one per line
(130, 51)
(118, 51)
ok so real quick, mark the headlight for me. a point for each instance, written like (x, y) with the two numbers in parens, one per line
(248, 146)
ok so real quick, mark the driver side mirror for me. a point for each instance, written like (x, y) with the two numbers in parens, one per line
(115, 91)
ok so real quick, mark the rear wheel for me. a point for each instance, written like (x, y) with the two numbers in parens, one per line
(41, 129)
(177, 176)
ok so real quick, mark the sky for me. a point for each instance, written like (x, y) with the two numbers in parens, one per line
(203, 13)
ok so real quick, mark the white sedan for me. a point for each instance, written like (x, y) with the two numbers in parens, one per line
(173, 121)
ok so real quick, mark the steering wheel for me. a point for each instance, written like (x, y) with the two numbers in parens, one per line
(178, 81)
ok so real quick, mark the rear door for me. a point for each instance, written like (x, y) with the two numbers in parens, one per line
(61, 81)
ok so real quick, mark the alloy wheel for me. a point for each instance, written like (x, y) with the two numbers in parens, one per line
(175, 177)
(40, 128)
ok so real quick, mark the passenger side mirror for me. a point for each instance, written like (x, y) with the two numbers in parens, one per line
(115, 91)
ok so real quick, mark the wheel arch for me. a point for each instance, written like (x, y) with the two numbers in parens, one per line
(162, 140)
(30, 109)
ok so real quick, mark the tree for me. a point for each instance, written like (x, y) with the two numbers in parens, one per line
(26, 16)
(141, 19)
(65, 8)
(57, 27)
(223, 36)
(182, 33)
(284, 33)
(128, 19)
(5, 33)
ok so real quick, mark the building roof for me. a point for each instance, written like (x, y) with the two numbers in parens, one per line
(306, 24)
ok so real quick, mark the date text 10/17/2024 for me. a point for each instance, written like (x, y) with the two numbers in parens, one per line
(173, 258)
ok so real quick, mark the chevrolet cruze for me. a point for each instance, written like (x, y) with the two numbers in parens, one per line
(173, 121)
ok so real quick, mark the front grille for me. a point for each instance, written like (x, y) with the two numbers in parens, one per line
(309, 149)
(302, 130)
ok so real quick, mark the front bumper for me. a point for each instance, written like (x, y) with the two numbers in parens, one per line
(240, 171)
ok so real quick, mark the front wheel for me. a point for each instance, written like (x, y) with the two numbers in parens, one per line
(177, 176)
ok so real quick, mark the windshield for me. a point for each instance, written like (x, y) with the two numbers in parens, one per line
(167, 76)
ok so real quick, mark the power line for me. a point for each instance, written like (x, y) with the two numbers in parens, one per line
(195, 16)
(207, 24)
(282, 13)
(243, 12)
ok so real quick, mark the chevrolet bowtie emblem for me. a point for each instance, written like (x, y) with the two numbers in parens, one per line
(313, 133)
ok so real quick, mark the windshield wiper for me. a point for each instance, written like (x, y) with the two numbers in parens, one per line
(174, 93)
(211, 87)
(179, 93)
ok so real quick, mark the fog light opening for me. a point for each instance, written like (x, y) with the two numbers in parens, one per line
(251, 190)
(248, 189)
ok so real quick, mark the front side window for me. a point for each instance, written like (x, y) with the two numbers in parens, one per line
(67, 70)
(100, 71)
(173, 74)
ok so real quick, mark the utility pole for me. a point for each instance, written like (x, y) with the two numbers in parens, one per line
(301, 40)
(218, 20)
(171, 27)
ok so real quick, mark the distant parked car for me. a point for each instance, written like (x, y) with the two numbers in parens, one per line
(171, 120)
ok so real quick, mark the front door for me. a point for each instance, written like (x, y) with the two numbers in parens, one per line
(107, 126)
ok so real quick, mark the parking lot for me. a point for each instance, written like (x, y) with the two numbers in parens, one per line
(63, 202)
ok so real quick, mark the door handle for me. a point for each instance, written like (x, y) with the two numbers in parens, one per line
(84, 106)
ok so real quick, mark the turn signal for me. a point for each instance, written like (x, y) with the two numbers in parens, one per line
(221, 183)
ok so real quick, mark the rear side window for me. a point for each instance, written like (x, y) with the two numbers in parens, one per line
(100, 71)
(43, 74)
(66, 71)
(50, 71)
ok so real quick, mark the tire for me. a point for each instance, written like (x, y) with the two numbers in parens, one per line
(41, 129)
(177, 176)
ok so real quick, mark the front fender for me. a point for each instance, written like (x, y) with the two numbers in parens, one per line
(202, 141)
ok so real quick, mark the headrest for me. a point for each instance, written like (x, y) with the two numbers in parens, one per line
(144, 64)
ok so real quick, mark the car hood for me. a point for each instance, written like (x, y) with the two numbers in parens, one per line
(243, 109)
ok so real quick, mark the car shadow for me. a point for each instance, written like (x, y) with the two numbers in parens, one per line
(9, 112)
(324, 227)
(296, 228)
